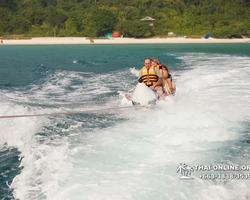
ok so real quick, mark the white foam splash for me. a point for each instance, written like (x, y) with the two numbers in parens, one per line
(134, 71)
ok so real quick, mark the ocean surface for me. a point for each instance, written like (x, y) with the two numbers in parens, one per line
(122, 154)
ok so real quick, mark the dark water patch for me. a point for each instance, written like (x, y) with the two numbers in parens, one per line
(9, 168)
(18, 77)
(244, 134)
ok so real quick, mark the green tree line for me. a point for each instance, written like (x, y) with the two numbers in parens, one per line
(93, 18)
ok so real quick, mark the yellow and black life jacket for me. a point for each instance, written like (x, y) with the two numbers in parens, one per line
(149, 77)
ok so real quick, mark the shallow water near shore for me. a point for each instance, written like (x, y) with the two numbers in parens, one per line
(122, 154)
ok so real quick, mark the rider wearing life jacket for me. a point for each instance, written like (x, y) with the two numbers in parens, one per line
(150, 75)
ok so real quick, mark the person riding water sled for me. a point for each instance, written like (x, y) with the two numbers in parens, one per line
(168, 86)
(150, 76)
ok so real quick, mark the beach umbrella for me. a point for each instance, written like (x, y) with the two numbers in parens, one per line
(207, 35)
(108, 35)
(115, 34)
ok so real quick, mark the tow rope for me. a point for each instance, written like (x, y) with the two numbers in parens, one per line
(65, 113)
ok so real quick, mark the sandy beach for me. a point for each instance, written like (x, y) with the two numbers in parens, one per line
(84, 40)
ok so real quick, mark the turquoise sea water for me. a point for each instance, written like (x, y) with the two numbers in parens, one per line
(122, 154)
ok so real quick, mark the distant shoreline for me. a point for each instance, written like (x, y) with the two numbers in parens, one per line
(84, 40)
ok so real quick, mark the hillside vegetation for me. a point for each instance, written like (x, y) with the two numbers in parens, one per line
(93, 18)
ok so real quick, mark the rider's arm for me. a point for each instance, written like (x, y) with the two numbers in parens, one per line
(159, 82)
(169, 83)
(167, 89)
(140, 74)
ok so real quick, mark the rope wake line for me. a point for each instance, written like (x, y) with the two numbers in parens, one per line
(65, 113)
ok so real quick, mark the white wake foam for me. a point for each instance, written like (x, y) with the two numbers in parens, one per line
(137, 157)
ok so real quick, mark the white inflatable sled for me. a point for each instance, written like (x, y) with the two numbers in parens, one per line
(144, 96)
